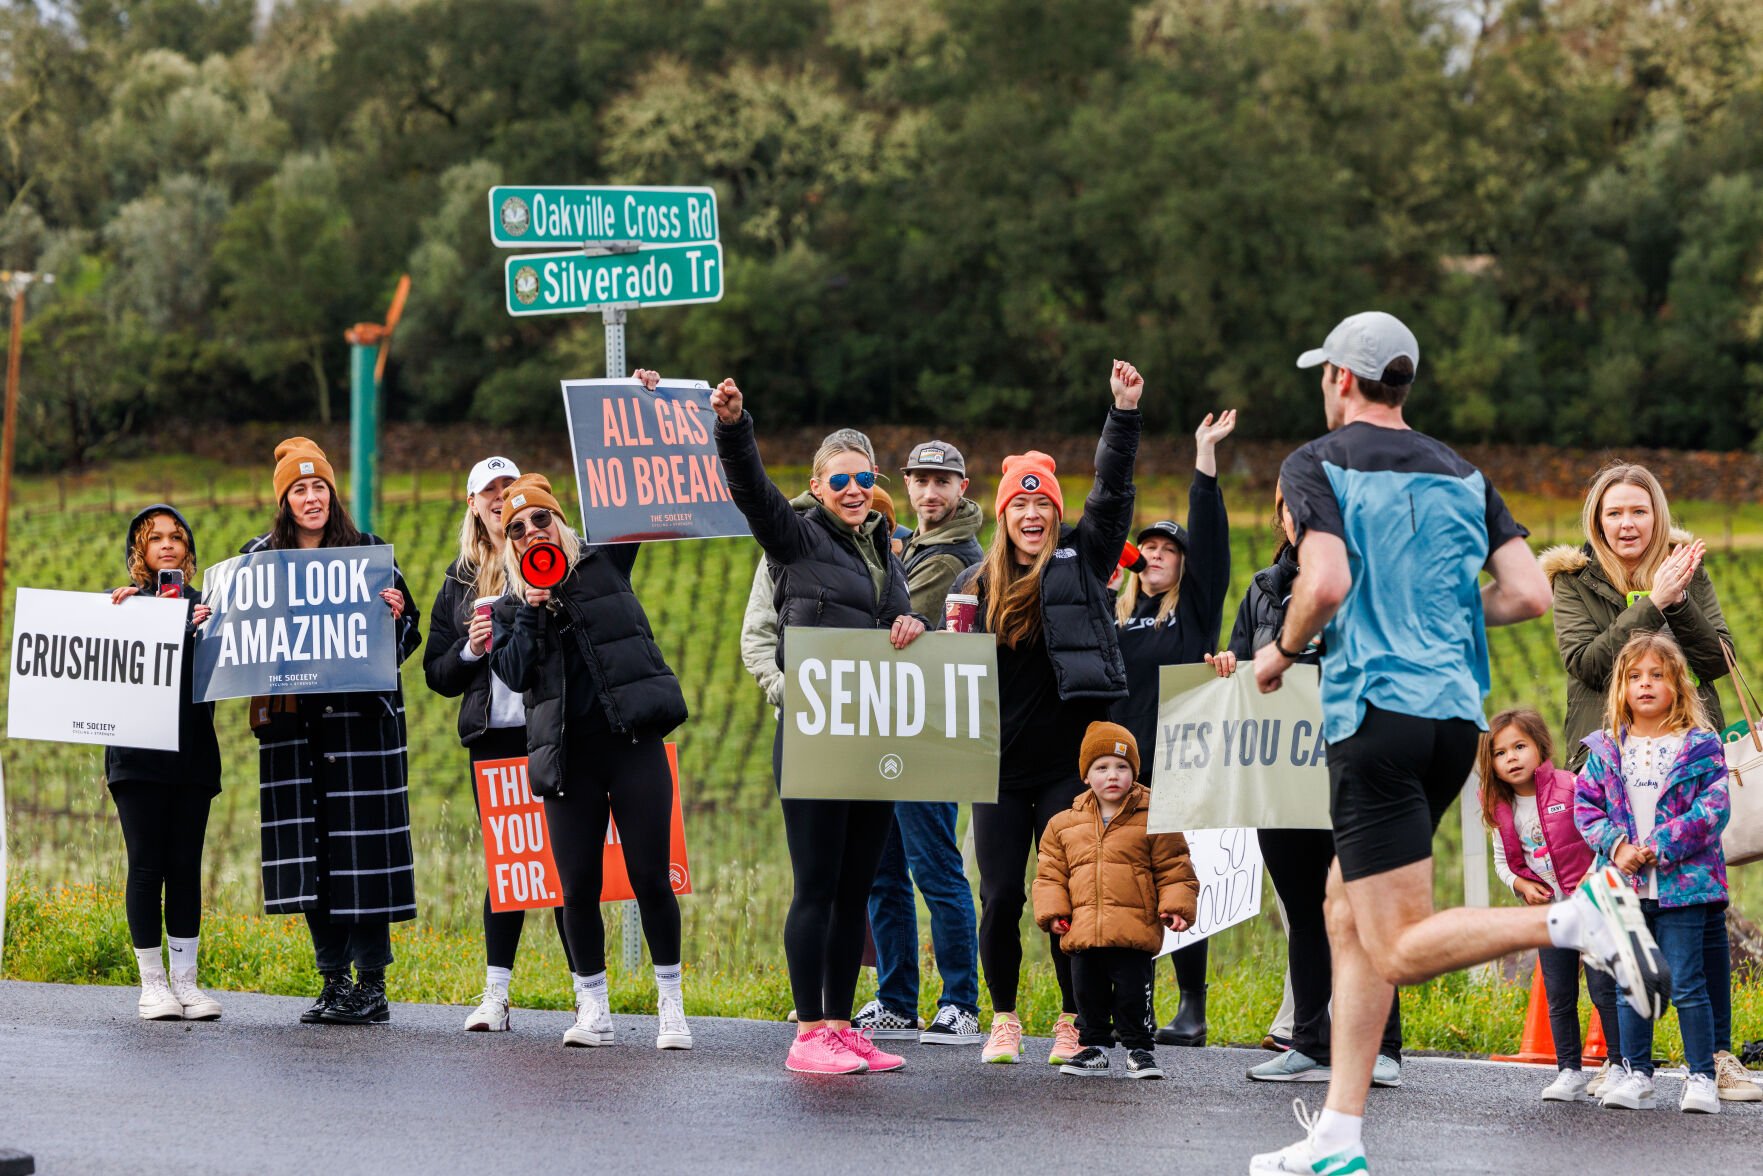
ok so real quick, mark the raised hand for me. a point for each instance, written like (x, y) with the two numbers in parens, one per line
(1211, 431)
(1126, 384)
(646, 378)
(726, 401)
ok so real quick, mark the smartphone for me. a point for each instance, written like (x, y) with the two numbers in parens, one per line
(174, 577)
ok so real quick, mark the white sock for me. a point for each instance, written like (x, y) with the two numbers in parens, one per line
(496, 979)
(151, 963)
(667, 981)
(1336, 1133)
(183, 954)
(594, 985)
(1566, 925)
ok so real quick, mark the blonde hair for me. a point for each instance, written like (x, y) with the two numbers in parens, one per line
(480, 564)
(1013, 592)
(516, 584)
(138, 573)
(1128, 600)
(1686, 711)
(835, 444)
(1624, 473)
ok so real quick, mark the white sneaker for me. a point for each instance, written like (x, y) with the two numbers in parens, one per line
(1595, 1087)
(671, 1031)
(1700, 1096)
(197, 1005)
(491, 1014)
(1568, 1086)
(1627, 1090)
(157, 1002)
(1304, 1156)
(593, 1023)
(1616, 941)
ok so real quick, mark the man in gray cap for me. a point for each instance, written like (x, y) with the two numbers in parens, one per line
(1394, 531)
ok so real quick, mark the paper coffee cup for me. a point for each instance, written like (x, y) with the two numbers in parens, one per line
(960, 610)
(481, 606)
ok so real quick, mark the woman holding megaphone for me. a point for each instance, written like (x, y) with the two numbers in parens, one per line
(600, 700)
(334, 777)
(835, 568)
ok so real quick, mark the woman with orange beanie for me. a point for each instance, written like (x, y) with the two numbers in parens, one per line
(333, 777)
(1043, 591)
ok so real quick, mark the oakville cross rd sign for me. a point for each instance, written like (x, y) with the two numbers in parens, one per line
(533, 217)
(560, 283)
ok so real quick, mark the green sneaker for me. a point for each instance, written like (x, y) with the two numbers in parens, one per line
(1305, 1157)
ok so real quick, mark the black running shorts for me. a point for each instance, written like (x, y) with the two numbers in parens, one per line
(1391, 783)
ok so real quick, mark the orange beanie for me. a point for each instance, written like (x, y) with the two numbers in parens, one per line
(526, 492)
(1028, 473)
(300, 457)
(1107, 739)
(884, 502)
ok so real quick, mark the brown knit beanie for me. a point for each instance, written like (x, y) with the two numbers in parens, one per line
(884, 502)
(526, 492)
(300, 457)
(1107, 739)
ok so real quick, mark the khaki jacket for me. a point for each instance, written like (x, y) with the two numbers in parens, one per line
(1114, 883)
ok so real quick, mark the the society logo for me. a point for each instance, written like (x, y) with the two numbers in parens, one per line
(891, 766)
(515, 217)
(526, 285)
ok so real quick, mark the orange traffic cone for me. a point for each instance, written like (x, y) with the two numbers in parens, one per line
(1537, 1044)
(1596, 1048)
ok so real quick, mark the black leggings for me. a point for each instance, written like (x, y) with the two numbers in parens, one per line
(835, 847)
(163, 826)
(1298, 860)
(502, 928)
(609, 775)
(1005, 836)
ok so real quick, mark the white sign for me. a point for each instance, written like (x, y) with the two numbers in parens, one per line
(85, 670)
(1228, 864)
(1230, 756)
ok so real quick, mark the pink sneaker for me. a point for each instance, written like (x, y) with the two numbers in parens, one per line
(824, 1051)
(859, 1042)
(1065, 1043)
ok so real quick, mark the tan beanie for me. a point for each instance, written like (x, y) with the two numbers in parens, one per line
(1107, 739)
(300, 457)
(526, 492)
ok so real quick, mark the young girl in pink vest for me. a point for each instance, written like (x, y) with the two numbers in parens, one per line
(1527, 804)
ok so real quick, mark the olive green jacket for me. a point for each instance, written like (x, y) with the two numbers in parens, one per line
(1593, 622)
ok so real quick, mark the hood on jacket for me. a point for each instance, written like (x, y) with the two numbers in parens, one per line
(147, 512)
(1276, 578)
(1566, 559)
(963, 525)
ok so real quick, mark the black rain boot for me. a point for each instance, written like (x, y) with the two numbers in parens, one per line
(337, 987)
(1189, 1026)
(366, 1005)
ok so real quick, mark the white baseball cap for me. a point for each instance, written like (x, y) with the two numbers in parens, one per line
(487, 471)
(1364, 344)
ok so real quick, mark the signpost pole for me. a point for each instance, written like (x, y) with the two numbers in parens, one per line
(363, 429)
(614, 318)
(15, 284)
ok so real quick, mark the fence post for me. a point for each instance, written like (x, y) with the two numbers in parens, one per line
(1475, 856)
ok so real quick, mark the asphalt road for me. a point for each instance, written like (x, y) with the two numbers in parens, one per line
(89, 1089)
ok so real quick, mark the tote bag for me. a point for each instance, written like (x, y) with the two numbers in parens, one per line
(1743, 839)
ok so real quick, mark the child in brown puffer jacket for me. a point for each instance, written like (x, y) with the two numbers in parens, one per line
(1108, 888)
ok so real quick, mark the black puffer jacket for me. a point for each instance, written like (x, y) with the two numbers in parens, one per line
(196, 763)
(1077, 615)
(448, 676)
(822, 579)
(1263, 610)
(589, 658)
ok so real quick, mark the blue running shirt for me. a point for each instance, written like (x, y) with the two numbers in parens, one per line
(1419, 523)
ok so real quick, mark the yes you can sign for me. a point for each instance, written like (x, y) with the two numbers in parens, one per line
(297, 622)
(865, 721)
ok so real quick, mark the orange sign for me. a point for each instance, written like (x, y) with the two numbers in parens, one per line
(517, 842)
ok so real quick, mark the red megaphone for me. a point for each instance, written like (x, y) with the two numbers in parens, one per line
(543, 565)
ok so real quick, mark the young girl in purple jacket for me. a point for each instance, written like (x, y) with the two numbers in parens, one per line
(1527, 804)
(1651, 800)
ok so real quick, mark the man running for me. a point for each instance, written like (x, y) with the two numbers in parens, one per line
(1394, 531)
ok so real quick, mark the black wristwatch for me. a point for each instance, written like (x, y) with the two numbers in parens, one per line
(1283, 651)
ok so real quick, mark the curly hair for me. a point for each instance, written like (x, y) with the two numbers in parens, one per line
(138, 572)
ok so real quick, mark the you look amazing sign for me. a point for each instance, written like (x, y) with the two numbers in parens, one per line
(645, 462)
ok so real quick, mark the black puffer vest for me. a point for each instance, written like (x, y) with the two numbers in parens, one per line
(1263, 611)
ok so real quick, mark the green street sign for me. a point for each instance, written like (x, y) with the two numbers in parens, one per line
(524, 217)
(561, 283)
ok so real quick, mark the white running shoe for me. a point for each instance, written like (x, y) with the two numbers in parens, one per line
(671, 1030)
(593, 1023)
(1629, 1090)
(1616, 941)
(197, 1005)
(157, 1002)
(1700, 1096)
(1305, 1157)
(1568, 1086)
(491, 1014)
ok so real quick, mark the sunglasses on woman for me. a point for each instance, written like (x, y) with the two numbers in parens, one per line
(541, 519)
(865, 479)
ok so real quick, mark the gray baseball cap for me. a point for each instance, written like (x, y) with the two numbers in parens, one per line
(935, 455)
(1364, 344)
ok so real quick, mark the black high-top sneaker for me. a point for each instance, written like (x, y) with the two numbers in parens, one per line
(337, 987)
(1089, 1062)
(364, 1006)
